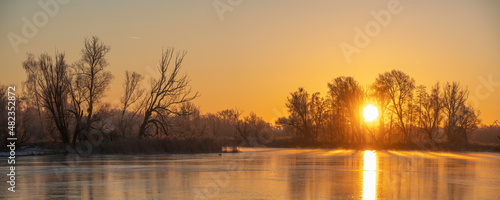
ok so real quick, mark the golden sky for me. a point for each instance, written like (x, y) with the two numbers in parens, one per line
(251, 54)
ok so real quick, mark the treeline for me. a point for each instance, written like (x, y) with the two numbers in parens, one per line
(407, 112)
(63, 103)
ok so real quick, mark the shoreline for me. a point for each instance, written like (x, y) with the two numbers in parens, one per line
(51, 149)
(437, 147)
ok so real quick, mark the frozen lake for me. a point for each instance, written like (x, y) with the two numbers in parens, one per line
(261, 173)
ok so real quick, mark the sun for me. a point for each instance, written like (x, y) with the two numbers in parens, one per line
(370, 113)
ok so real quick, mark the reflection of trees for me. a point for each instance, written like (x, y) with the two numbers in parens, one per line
(297, 178)
(456, 173)
(405, 176)
(431, 172)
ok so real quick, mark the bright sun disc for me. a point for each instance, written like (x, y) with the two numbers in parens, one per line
(370, 113)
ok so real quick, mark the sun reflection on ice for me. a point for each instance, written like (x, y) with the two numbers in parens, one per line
(370, 175)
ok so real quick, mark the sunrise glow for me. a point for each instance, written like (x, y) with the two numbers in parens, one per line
(370, 113)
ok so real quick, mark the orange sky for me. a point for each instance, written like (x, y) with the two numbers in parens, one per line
(262, 50)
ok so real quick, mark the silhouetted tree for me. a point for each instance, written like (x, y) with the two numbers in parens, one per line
(256, 126)
(77, 100)
(91, 69)
(461, 119)
(454, 98)
(318, 110)
(189, 122)
(169, 90)
(346, 97)
(214, 123)
(298, 107)
(49, 81)
(92, 80)
(232, 117)
(132, 93)
(468, 122)
(399, 87)
(380, 92)
(430, 110)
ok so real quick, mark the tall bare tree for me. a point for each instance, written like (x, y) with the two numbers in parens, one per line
(77, 95)
(400, 89)
(468, 122)
(317, 108)
(430, 111)
(461, 119)
(132, 91)
(300, 117)
(92, 75)
(131, 95)
(380, 92)
(49, 81)
(453, 98)
(169, 90)
(346, 96)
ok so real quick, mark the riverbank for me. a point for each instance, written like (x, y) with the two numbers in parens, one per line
(126, 146)
(211, 145)
(413, 146)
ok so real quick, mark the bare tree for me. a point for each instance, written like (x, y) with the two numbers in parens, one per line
(461, 119)
(50, 82)
(169, 90)
(256, 125)
(92, 75)
(346, 97)
(380, 92)
(24, 118)
(132, 94)
(232, 117)
(399, 87)
(32, 93)
(189, 122)
(317, 108)
(430, 111)
(468, 122)
(132, 90)
(77, 95)
(298, 107)
(453, 98)
(214, 123)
